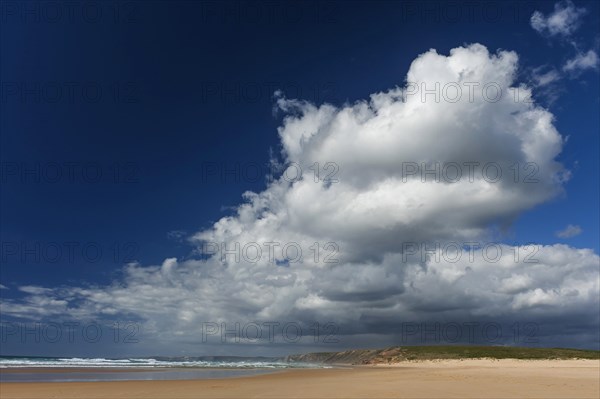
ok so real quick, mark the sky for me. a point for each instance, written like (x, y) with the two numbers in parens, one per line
(266, 178)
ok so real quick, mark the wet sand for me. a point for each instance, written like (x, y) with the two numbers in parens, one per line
(428, 379)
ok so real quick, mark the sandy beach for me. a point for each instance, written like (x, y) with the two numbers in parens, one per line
(425, 379)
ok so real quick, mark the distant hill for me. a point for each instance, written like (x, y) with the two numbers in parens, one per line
(403, 353)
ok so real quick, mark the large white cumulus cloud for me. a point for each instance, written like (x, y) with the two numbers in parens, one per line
(378, 204)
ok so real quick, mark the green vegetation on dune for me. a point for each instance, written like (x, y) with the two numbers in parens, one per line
(497, 352)
(404, 353)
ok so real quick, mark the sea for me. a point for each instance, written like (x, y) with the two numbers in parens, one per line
(67, 369)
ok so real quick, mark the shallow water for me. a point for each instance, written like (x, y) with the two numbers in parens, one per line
(125, 375)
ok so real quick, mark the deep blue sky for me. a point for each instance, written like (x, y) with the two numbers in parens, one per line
(195, 82)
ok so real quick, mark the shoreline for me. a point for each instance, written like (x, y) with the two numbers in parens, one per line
(108, 375)
(470, 378)
(44, 370)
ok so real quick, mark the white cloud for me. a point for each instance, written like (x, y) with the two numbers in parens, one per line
(546, 78)
(569, 231)
(176, 235)
(546, 84)
(373, 210)
(563, 21)
(30, 289)
(3, 287)
(558, 282)
(582, 61)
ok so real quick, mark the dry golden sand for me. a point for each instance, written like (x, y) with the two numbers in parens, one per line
(429, 379)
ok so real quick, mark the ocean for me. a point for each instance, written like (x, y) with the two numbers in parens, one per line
(135, 369)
